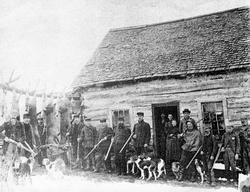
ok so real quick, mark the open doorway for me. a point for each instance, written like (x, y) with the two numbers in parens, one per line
(158, 109)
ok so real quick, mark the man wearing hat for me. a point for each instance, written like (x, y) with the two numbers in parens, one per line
(193, 141)
(121, 136)
(42, 134)
(208, 153)
(245, 145)
(142, 134)
(161, 137)
(88, 138)
(74, 135)
(28, 133)
(186, 118)
(104, 132)
(12, 129)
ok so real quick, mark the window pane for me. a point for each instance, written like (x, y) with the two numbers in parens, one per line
(213, 117)
(120, 113)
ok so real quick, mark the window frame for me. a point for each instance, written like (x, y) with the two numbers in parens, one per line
(121, 108)
(210, 100)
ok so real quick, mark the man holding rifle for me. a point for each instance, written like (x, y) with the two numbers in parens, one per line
(122, 135)
(88, 138)
(74, 135)
(231, 148)
(208, 154)
(190, 149)
(107, 133)
(14, 130)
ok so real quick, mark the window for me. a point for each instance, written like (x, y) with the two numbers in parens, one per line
(121, 113)
(213, 117)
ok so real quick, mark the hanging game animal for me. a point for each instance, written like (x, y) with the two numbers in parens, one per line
(57, 120)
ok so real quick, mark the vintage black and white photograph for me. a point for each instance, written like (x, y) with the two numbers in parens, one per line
(124, 95)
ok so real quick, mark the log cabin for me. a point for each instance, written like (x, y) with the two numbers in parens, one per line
(200, 63)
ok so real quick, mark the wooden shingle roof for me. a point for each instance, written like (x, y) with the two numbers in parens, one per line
(214, 42)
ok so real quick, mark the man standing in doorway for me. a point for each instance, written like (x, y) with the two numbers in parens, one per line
(161, 137)
(142, 134)
(186, 118)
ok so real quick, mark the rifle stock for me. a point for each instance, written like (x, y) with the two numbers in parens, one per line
(126, 142)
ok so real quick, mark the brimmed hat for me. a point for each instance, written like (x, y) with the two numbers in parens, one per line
(140, 113)
(186, 111)
(39, 115)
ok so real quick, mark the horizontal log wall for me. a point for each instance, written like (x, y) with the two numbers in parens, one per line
(233, 89)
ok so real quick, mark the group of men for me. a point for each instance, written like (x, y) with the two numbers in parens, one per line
(19, 134)
(93, 146)
(185, 143)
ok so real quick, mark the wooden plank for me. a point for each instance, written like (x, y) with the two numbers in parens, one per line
(238, 102)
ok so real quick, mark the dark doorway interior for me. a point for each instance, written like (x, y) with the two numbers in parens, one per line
(158, 109)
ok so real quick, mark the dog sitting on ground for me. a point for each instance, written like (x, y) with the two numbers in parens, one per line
(22, 168)
(175, 166)
(56, 168)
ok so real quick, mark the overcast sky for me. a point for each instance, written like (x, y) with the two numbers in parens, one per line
(47, 42)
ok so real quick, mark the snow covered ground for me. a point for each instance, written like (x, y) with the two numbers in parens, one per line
(92, 182)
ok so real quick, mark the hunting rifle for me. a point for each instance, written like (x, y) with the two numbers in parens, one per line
(107, 154)
(126, 142)
(103, 139)
(217, 156)
(22, 146)
(197, 152)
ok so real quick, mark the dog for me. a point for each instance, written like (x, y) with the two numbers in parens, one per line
(244, 183)
(22, 168)
(175, 167)
(56, 168)
(200, 169)
(155, 167)
(131, 161)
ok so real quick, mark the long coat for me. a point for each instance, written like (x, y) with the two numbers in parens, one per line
(246, 149)
(88, 136)
(121, 136)
(15, 132)
(173, 150)
(209, 145)
(231, 141)
(143, 134)
(192, 140)
(28, 134)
